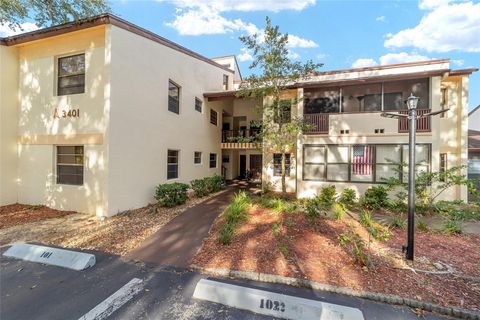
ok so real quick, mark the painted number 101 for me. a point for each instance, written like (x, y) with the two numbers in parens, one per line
(272, 305)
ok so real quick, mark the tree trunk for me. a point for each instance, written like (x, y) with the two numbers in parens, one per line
(284, 187)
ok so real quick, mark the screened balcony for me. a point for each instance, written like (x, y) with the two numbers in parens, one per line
(321, 103)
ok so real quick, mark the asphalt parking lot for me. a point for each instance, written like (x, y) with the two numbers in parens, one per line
(36, 291)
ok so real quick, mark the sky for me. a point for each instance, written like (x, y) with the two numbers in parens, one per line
(340, 34)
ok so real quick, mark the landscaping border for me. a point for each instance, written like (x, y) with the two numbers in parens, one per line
(380, 297)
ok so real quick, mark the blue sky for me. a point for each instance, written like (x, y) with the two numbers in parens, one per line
(340, 34)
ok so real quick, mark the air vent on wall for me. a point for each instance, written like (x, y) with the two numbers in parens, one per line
(379, 130)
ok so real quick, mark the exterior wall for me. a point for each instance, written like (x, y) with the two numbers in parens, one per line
(232, 62)
(39, 132)
(474, 119)
(142, 129)
(8, 124)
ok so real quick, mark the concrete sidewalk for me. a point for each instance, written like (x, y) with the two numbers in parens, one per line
(178, 241)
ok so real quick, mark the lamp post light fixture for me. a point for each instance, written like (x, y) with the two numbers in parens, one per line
(412, 103)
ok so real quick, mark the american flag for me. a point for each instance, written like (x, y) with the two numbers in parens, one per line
(362, 160)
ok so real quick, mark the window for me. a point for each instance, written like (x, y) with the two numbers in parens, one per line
(277, 164)
(70, 165)
(314, 162)
(71, 75)
(225, 82)
(321, 101)
(225, 158)
(337, 163)
(444, 101)
(197, 157)
(198, 105)
(173, 97)
(396, 92)
(362, 98)
(283, 112)
(443, 165)
(172, 164)
(360, 163)
(213, 117)
(213, 160)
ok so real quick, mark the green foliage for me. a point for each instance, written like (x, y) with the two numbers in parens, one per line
(457, 210)
(452, 227)
(235, 215)
(48, 13)
(327, 196)
(348, 197)
(338, 211)
(279, 204)
(314, 208)
(207, 185)
(171, 194)
(375, 198)
(377, 231)
(356, 247)
(422, 226)
(397, 222)
(271, 58)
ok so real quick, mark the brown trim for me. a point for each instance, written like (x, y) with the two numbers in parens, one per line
(101, 20)
(390, 66)
(463, 72)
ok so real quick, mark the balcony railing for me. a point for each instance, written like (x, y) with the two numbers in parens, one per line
(241, 136)
(318, 121)
(423, 125)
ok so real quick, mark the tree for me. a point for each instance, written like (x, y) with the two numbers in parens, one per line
(279, 129)
(48, 13)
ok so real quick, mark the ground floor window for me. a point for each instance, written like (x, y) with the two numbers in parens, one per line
(70, 161)
(360, 163)
(172, 164)
(443, 165)
(197, 157)
(213, 160)
(277, 164)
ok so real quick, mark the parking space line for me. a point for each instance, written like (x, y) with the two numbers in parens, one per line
(115, 301)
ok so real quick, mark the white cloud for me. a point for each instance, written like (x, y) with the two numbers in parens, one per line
(245, 55)
(364, 62)
(246, 5)
(293, 55)
(381, 19)
(297, 42)
(446, 27)
(401, 57)
(459, 62)
(6, 31)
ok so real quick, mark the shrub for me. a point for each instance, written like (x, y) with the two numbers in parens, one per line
(422, 226)
(235, 214)
(171, 194)
(375, 197)
(326, 197)
(348, 197)
(314, 209)
(338, 211)
(357, 248)
(199, 187)
(452, 227)
(397, 222)
(377, 231)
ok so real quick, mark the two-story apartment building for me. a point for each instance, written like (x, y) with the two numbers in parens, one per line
(95, 114)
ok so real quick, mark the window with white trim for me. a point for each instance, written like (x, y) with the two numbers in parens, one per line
(277, 164)
(173, 97)
(197, 157)
(71, 75)
(172, 164)
(70, 162)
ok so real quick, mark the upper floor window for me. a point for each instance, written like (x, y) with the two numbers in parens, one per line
(225, 82)
(283, 112)
(70, 165)
(443, 101)
(71, 75)
(173, 97)
(198, 105)
(213, 117)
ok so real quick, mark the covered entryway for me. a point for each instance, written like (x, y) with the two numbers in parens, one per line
(256, 167)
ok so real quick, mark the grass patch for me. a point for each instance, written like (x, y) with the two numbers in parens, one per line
(377, 231)
(452, 227)
(422, 226)
(234, 216)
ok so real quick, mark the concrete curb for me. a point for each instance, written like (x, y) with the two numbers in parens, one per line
(380, 297)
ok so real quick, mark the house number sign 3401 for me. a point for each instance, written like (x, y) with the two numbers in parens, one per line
(72, 113)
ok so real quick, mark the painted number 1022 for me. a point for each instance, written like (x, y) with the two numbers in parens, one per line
(272, 305)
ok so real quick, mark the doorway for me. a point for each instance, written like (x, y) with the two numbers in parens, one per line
(243, 166)
(256, 167)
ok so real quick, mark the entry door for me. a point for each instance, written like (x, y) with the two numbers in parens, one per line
(243, 166)
(256, 166)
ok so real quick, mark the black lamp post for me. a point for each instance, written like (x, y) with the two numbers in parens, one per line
(412, 103)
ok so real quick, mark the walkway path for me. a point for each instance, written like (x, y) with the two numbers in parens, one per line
(179, 240)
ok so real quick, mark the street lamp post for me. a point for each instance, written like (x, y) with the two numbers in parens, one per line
(412, 103)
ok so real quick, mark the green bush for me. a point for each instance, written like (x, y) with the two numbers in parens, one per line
(235, 214)
(377, 231)
(171, 194)
(375, 197)
(314, 208)
(397, 222)
(357, 248)
(327, 196)
(348, 197)
(207, 185)
(452, 227)
(338, 211)
(422, 226)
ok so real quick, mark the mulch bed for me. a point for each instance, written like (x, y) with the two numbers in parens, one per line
(314, 253)
(17, 214)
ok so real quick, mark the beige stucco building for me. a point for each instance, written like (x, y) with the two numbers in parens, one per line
(94, 115)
